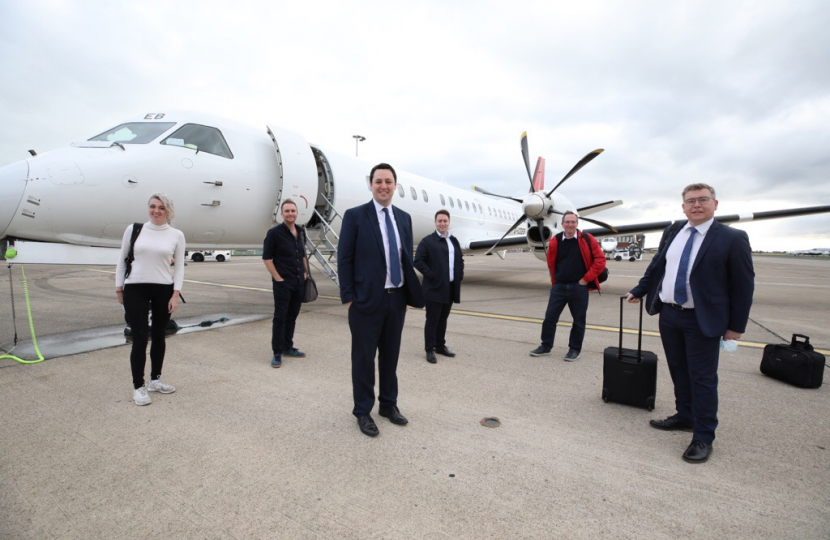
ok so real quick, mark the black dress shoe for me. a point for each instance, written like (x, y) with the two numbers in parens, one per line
(697, 452)
(367, 425)
(672, 423)
(444, 351)
(431, 357)
(394, 415)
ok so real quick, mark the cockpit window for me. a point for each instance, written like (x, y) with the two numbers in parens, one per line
(200, 138)
(134, 132)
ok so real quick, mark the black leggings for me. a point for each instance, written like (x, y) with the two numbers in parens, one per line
(140, 298)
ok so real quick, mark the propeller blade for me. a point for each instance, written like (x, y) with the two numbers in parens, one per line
(482, 190)
(600, 223)
(594, 221)
(525, 155)
(582, 162)
(510, 230)
(540, 225)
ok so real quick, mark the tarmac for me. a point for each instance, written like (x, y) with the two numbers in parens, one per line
(242, 450)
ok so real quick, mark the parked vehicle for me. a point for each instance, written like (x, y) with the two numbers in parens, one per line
(632, 253)
(201, 256)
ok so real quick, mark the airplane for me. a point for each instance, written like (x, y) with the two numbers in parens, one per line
(227, 179)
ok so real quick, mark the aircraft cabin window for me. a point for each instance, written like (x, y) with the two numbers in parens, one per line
(134, 132)
(467, 205)
(452, 204)
(400, 190)
(424, 193)
(459, 203)
(414, 193)
(443, 201)
(200, 138)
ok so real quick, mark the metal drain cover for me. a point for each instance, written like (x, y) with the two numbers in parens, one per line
(490, 422)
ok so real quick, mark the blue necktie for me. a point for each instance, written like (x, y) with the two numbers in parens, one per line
(394, 255)
(680, 296)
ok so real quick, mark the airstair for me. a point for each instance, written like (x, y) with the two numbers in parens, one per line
(319, 238)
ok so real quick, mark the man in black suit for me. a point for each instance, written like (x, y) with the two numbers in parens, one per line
(701, 282)
(377, 281)
(438, 258)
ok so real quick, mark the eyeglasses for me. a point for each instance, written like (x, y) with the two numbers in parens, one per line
(701, 200)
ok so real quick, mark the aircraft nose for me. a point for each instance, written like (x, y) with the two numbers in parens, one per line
(12, 185)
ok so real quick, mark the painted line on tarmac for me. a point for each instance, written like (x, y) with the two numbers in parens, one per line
(601, 328)
(484, 315)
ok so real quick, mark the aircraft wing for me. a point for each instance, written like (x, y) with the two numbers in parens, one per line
(507, 243)
(658, 226)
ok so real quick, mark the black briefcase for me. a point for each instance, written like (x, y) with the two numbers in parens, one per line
(796, 363)
(629, 376)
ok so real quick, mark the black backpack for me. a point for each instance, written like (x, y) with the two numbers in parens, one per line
(131, 254)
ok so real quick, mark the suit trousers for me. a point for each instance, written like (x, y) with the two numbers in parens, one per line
(378, 331)
(693, 364)
(139, 299)
(435, 328)
(288, 296)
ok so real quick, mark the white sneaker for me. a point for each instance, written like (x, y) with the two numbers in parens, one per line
(160, 386)
(141, 397)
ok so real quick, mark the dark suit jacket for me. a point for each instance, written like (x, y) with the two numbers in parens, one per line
(432, 259)
(361, 260)
(722, 279)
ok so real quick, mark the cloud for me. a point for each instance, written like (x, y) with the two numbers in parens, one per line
(729, 93)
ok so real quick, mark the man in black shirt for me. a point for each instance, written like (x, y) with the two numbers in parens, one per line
(283, 253)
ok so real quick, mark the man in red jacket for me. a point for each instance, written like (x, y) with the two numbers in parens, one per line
(575, 261)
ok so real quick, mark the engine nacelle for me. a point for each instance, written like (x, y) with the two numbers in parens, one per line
(538, 242)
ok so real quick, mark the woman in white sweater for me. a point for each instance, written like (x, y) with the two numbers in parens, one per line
(151, 287)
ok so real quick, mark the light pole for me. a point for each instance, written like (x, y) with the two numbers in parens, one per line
(357, 139)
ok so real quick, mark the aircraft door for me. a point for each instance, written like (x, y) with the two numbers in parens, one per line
(13, 181)
(298, 173)
(479, 211)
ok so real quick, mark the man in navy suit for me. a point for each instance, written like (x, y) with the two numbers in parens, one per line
(377, 282)
(701, 282)
(439, 259)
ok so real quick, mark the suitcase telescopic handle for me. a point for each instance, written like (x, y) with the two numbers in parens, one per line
(796, 336)
(639, 330)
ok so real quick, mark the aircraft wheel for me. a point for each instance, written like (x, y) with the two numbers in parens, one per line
(618, 258)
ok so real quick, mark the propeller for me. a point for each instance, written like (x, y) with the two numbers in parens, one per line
(537, 179)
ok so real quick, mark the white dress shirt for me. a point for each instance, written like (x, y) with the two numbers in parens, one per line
(451, 249)
(673, 254)
(382, 223)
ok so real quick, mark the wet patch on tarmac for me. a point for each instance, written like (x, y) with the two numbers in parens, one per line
(93, 339)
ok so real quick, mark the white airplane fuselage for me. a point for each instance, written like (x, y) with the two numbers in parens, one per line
(88, 193)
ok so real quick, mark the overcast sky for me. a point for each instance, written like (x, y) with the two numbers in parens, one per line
(732, 93)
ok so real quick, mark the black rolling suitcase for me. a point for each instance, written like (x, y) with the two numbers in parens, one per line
(796, 363)
(629, 376)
